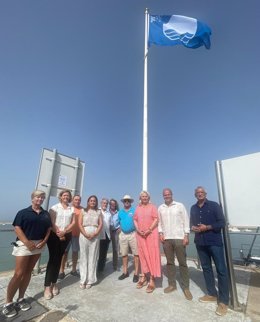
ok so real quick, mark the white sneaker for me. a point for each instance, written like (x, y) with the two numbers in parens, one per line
(9, 310)
(23, 305)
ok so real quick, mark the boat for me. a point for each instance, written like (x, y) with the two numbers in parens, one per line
(233, 229)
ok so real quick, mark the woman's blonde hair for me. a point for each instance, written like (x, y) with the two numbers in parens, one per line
(37, 193)
(145, 192)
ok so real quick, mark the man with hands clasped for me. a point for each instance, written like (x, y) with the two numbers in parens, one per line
(207, 221)
(174, 234)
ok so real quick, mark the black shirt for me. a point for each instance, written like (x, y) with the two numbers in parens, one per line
(33, 225)
(209, 214)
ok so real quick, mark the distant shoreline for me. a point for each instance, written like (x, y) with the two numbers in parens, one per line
(6, 226)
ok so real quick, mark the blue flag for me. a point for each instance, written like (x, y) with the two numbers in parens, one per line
(178, 30)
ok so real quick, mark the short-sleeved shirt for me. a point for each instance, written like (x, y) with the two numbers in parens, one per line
(145, 215)
(126, 220)
(63, 215)
(91, 217)
(75, 229)
(34, 225)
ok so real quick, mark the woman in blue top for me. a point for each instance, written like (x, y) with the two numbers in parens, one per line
(32, 227)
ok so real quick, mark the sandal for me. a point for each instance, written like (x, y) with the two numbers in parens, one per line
(142, 282)
(82, 286)
(47, 293)
(55, 290)
(150, 288)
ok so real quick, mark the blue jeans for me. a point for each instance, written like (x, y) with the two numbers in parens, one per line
(206, 254)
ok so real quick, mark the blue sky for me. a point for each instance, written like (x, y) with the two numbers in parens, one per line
(71, 78)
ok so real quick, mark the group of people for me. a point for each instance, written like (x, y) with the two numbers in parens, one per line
(141, 229)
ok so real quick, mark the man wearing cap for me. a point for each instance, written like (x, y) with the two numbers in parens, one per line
(127, 238)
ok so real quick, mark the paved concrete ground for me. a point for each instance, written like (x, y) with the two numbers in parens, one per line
(114, 300)
(253, 300)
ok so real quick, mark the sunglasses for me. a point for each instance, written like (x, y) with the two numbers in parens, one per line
(127, 200)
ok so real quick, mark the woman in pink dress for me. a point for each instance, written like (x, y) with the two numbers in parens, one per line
(146, 221)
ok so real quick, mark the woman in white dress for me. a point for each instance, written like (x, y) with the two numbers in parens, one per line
(90, 224)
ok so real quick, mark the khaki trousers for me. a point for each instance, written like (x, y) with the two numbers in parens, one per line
(171, 248)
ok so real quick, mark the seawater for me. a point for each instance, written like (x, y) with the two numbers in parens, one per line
(7, 260)
(7, 236)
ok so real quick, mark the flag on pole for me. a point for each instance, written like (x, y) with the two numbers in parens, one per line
(178, 30)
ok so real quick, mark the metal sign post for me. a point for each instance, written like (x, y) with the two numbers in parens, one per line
(228, 253)
(56, 173)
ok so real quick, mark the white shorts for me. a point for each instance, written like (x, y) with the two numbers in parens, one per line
(22, 250)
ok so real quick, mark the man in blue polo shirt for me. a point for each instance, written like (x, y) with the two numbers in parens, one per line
(127, 238)
(207, 221)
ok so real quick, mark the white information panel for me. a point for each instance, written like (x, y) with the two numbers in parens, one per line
(240, 180)
(57, 172)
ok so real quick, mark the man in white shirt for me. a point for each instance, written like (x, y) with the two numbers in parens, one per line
(104, 236)
(174, 232)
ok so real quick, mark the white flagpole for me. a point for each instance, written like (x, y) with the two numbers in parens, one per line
(145, 120)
